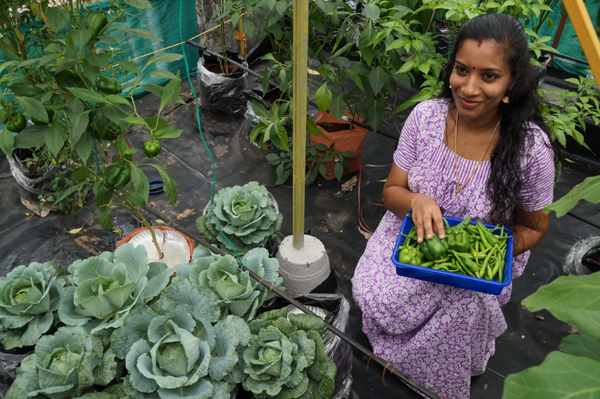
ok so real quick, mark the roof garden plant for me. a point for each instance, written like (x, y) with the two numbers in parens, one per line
(178, 347)
(29, 298)
(62, 76)
(286, 358)
(65, 365)
(107, 287)
(240, 216)
(238, 293)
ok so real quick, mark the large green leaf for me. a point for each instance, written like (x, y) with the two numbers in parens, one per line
(377, 79)
(57, 17)
(104, 374)
(144, 34)
(134, 328)
(91, 268)
(202, 389)
(136, 379)
(581, 345)
(170, 93)
(31, 137)
(588, 190)
(223, 356)
(36, 327)
(55, 137)
(572, 299)
(157, 284)
(119, 295)
(135, 260)
(169, 184)
(33, 108)
(198, 301)
(87, 95)
(372, 11)
(67, 311)
(323, 97)
(26, 381)
(160, 326)
(559, 376)
(7, 141)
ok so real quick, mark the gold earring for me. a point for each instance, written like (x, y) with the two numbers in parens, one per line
(450, 86)
(506, 100)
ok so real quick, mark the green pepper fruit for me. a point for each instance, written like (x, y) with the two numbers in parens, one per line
(458, 240)
(461, 226)
(117, 176)
(434, 248)
(488, 235)
(410, 255)
(16, 122)
(108, 85)
(50, 113)
(152, 148)
(95, 21)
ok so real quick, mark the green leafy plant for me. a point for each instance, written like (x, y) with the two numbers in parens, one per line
(572, 110)
(244, 216)
(29, 298)
(62, 75)
(572, 371)
(64, 365)
(286, 358)
(106, 287)
(173, 349)
(239, 294)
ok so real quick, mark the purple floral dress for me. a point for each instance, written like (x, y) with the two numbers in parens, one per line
(437, 334)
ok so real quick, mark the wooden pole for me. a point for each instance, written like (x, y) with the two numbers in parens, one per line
(585, 33)
(300, 59)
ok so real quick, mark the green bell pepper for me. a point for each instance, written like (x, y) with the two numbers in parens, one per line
(117, 176)
(410, 255)
(434, 248)
(95, 21)
(152, 148)
(458, 240)
(106, 85)
(16, 122)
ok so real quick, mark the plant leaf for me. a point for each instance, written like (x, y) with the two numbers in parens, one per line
(144, 34)
(588, 190)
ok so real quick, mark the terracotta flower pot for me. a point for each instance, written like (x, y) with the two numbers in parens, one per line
(345, 140)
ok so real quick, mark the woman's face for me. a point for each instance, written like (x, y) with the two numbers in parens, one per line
(479, 80)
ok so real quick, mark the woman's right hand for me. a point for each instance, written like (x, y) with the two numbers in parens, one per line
(427, 217)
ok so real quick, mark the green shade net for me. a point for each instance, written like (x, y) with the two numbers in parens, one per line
(163, 21)
(569, 44)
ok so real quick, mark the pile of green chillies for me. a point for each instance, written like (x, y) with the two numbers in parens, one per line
(470, 249)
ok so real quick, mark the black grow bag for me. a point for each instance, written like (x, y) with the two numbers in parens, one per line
(221, 93)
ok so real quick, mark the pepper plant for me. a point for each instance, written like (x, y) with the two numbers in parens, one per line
(63, 77)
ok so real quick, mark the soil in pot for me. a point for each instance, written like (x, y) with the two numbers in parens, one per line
(217, 69)
(335, 127)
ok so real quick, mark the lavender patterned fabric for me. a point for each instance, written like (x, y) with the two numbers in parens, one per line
(437, 334)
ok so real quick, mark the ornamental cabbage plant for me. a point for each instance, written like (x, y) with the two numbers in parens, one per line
(108, 286)
(172, 349)
(64, 365)
(239, 294)
(29, 298)
(286, 358)
(245, 215)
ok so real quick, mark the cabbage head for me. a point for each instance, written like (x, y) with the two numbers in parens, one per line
(108, 286)
(63, 365)
(29, 298)
(239, 294)
(172, 349)
(286, 358)
(245, 214)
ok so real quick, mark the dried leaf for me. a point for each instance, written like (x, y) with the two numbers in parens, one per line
(185, 213)
(158, 221)
(364, 233)
(539, 317)
(349, 185)
(75, 231)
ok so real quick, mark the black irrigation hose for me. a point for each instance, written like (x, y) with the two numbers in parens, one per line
(274, 84)
(402, 377)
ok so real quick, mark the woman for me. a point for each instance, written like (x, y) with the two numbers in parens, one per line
(481, 150)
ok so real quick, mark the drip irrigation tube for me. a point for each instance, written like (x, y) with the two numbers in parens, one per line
(274, 84)
(402, 377)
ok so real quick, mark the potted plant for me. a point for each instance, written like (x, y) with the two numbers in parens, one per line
(242, 217)
(82, 112)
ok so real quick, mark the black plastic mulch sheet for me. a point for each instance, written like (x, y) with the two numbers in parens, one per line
(331, 216)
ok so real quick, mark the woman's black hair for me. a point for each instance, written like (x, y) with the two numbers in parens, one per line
(505, 182)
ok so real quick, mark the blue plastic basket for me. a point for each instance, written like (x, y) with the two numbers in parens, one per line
(449, 278)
